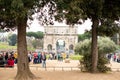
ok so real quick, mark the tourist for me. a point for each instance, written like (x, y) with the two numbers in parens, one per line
(109, 57)
(50, 56)
(10, 62)
(43, 57)
(114, 57)
(29, 56)
(67, 53)
(15, 57)
(59, 56)
(39, 57)
(35, 60)
(1, 60)
(6, 57)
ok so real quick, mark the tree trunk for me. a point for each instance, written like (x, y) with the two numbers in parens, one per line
(23, 70)
(94, 45)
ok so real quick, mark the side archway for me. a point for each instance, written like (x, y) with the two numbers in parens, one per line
(71, 48)
(49, 47)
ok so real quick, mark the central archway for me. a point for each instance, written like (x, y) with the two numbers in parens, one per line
(60, 46)
(60, 38)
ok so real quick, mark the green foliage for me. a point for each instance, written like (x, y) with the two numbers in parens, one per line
(76, 57)
(5, 46)
(86, 35)
(30, 34)
(106, 11)
(83, 47)
(37, 43)
(68, 10)
(34, 43)
(101, 64)
(2, 31)
(102, 61)
(105, 45)
(108, 28)
(37, 35)
(29, 48)
(15, 12)
(12, 39)
(82, 9)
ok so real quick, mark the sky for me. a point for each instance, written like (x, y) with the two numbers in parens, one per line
(35, 26)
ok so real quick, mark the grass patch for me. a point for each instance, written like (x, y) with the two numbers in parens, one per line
(5, 46)
(76, 57)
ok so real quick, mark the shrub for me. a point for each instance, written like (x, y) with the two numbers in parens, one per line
(105, 45)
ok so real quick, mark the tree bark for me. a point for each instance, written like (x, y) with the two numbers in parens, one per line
(23, 70)
(94, 45)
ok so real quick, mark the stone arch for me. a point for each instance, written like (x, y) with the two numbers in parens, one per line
(54, 33)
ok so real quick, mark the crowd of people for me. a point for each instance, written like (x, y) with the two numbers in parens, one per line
(114, 57)
(9, 58)
(38, 57)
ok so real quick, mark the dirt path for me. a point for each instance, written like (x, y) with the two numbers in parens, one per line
(9, 74)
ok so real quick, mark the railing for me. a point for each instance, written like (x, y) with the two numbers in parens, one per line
(56, 68)
(48, 68)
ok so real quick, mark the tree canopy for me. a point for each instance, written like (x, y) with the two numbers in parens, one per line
(74, 12)
(37, 35)
(14, 12)
(86, 35)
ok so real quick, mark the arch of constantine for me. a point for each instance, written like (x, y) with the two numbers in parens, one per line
(60, 38)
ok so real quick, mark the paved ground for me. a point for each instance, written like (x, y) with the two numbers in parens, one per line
(9, 73)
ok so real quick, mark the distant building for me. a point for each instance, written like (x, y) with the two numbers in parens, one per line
(60, 38)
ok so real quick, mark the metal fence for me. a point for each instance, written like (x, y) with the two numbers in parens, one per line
(57, 68)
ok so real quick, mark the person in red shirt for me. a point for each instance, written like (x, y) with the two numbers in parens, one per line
(10, 62)
(114, 57)
(35, 60)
